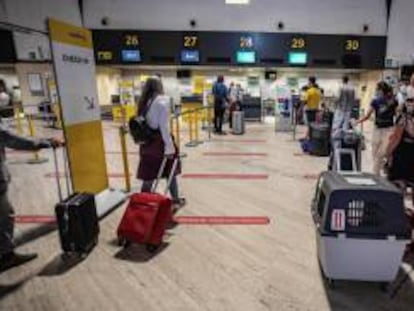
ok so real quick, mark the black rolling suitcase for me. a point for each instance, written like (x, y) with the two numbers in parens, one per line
(319, 136)
(77, 220)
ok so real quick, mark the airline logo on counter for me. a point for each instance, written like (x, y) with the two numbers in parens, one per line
(75, 69)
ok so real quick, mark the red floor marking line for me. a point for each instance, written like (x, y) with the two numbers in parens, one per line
(222, 220)
(240, 140)
(225, 176)
(61, 175)
(311, 176)
(299, 154)
(253, 154)
(34, 219)
(119, 152)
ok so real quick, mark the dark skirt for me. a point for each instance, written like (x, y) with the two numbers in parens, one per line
(402, 166)
(151, 156)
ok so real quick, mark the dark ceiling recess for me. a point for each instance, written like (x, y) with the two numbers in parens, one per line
(389, 6)
(80, 5)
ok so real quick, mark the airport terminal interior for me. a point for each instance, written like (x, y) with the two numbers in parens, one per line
(212, 155)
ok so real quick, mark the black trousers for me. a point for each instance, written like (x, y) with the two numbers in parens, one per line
(218, 118)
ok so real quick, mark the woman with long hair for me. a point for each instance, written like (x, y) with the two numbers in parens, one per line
(155, 107)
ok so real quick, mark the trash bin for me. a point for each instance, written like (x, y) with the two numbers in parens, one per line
(361, 227)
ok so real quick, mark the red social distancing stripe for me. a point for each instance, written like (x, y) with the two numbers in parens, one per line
(242, 154)
(299, 154)
(185, 220)
(311, 176)
(222, 220)
(34, 219)
(225, 176)
(62, 175)
(247, 141)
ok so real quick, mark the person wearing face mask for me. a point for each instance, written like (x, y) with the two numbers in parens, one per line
(400, 149)
(384, 106)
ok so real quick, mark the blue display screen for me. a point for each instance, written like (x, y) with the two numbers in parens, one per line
(190, 56)
(298, 58)
(133, 56)
(246, 57)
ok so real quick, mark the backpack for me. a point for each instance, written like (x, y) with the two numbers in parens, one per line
(139, 129)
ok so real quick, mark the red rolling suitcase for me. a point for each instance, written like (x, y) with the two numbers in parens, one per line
(147, 215)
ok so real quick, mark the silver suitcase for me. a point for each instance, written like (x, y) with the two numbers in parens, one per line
(238, 122)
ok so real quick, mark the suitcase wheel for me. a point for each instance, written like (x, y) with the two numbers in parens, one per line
(152, 248)
(66, 256)
(123, 242)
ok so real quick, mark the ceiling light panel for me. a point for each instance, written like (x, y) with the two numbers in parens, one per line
(237, 1)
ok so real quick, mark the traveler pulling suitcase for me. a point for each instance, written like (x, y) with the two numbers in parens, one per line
(77, 220)
(147, 215)
(238, 123)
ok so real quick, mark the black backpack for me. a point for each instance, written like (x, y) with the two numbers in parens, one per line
(139, 129)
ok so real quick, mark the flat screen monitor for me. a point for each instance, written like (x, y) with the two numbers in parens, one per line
(298, 58)
(246, 57)
(190, 56)
(131, 56)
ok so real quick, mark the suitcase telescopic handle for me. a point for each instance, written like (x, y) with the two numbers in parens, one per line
(171, 175)
(59, 187)
(65, 172)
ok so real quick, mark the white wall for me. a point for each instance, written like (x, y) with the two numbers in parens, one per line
(32, 44)
(315, 16)
(401, 32)
(34, 13)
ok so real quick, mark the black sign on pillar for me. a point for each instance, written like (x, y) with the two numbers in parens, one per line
(7, 50)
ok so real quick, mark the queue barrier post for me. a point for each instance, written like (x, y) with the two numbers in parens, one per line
(191, 121)
(125, 162)
(19, 125)
(197, 126)
(362, 123)
(36, 159)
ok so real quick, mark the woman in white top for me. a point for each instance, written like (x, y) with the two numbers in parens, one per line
(156, 107)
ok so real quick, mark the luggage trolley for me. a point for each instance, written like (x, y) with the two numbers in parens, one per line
(361, 227)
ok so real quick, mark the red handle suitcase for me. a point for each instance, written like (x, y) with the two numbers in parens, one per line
(147, 215)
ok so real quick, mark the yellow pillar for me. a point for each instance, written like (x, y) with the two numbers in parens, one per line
(122, 132)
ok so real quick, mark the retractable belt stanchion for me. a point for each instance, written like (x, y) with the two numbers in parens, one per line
(19, 126)
(36, 159)
(197, 126)
(362, 123)
(191, 121)
(122, 134)
(209, 123)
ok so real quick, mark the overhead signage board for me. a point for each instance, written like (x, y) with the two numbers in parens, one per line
(214, 47)
(74, 64)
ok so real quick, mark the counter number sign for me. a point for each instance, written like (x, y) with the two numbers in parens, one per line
(131, 40)
(104, 55)
(352, 45)
(297, 43)
(190, 41)
(246, 42)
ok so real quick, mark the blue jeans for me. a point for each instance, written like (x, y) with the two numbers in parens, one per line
(147, 186)
(341, 121)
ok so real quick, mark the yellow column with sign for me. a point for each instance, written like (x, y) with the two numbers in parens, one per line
(74, 64)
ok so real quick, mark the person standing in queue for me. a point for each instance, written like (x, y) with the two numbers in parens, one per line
(384, 106)
(220, 94)
(155, 107)
(8, 257)
(344, 106)
(312, 99)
